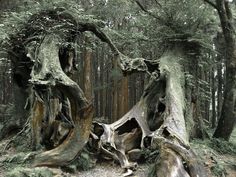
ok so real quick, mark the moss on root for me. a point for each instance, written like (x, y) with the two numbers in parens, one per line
(83, 162)
(29, 172)
(218, 155)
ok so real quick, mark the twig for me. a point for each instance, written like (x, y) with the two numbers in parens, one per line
(18, 134)
(147, 11)
(159, 4)
(100, 34)
(211, 3)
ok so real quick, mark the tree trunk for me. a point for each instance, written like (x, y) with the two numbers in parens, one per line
(102, 81)
(115, 93)
(45, 115)
(220, 48)
(213, 118)
(123, 92)
(228, 114)
(96, 83)
(88, 91)
(158, 115)
(220, 89)
(61, 115)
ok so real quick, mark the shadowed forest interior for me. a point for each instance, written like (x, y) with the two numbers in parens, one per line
(122, 88)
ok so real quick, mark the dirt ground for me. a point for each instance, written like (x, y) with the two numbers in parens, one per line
(108, 170)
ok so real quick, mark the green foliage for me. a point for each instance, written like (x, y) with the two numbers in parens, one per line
(20, 160)
(34, 19)
(218, 170)
(29, 172)
(150, 155)
(182, 22)
(176, 22)
(112, 12)
(83, 162)
(219, 145)
(215, 154)
(222, 146)
(40, 17)
(135, 32)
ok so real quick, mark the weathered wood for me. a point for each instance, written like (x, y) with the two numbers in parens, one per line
(228, 114)
(87, 74)
(173, 130)
(36, 123)
(70, 148)
(51, 77)
(160, 116)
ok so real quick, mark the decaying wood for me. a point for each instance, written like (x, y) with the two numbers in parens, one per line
(50, 77)
(36, 124)
(62, 116)
(158, 115)
(123, 136)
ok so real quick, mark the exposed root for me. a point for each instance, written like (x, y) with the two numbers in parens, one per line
(16, 136)
(159, 118)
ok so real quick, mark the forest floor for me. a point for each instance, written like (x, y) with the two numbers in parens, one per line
(218, 157)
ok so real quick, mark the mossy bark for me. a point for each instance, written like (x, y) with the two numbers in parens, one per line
(50, 82)
(156, 121)
(228, 114)
(158, 115)
(176, 156)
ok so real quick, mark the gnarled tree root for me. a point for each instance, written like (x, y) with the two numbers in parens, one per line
(81, 111)
(70, 147)
(160, 116)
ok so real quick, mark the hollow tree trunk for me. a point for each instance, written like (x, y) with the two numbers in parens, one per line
(60, 108)
(61, 116)
(172, 137)
(157, 120)
(51, 84)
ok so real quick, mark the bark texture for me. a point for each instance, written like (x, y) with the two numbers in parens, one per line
(53, 88)
(228, 114)
(61, 116)
(156, 121)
